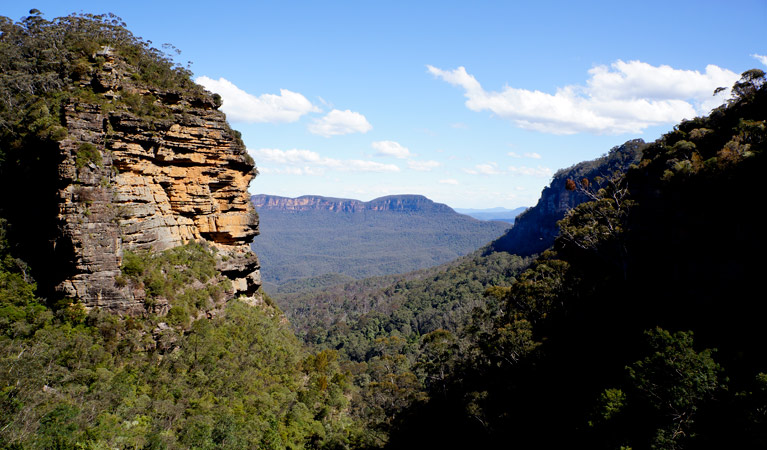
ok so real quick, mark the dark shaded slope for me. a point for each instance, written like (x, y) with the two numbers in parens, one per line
(535, 229)
(645, 320)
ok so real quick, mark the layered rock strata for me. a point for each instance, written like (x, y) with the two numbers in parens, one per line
(131, 182)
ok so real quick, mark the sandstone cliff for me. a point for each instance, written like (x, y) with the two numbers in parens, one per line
(148, 169)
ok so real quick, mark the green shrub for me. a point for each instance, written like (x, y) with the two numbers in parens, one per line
(184, 275)
(87, 153)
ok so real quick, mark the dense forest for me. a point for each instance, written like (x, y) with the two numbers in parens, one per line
(72, 378)
(640, 327)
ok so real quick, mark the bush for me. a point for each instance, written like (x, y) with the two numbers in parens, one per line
(87, 153)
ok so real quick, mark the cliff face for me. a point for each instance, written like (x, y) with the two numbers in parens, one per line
(129, 182)
(535, 229)
(306, 203)
(400, 203)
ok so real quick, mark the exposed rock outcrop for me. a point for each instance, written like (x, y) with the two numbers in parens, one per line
(535, 229)
(154, 177)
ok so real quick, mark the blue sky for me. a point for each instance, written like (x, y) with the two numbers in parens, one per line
(473, 104)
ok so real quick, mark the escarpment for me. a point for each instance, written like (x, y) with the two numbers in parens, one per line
(147, 169)
(393, 203)
(536, 229)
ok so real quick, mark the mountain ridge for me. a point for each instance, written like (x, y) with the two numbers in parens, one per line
(400, 202)
(536, 228)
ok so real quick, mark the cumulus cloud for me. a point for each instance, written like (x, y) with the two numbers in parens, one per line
(625, 97)
(452, 181)
(307, 162)
(391, 148)
(338, 122)
(423, 166)
(761, 58)
(241, 106)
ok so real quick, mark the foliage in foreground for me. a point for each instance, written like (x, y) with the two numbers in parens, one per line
(237, 380)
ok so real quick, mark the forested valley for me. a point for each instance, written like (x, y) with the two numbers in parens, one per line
(640, 326)
(331, 240)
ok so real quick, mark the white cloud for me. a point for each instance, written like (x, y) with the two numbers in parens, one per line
(484, 169)
(338, 122)
(423, 166)
(241, 106)
(307, 162)
(540, 171)
(626, 97)
(451, 181)
(391, 148)
(761, 58)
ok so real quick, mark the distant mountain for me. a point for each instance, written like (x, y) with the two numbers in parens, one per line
(535, 229)
(499, 214)
(398, 203)
(328, 240)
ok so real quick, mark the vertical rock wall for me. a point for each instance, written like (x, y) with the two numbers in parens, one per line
(130, 182)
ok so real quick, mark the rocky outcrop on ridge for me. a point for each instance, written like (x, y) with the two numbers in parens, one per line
(153, 176)
(535, 229)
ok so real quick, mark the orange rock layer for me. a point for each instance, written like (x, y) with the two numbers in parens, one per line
(132, 183)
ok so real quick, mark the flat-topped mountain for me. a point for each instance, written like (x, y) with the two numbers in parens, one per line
(402, 203)
(324, 240)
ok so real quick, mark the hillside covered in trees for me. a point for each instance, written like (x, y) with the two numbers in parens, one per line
(640, 327)
(184, 365)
